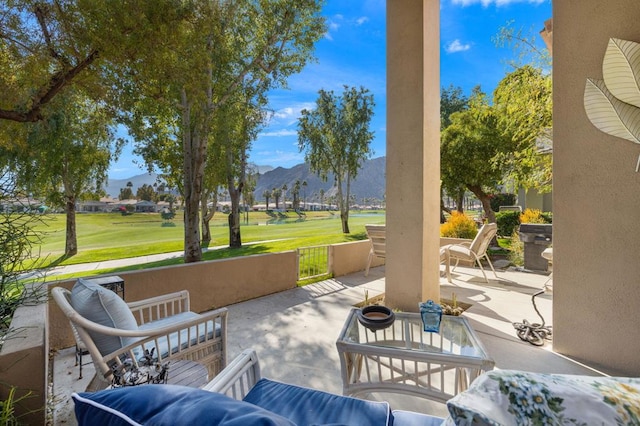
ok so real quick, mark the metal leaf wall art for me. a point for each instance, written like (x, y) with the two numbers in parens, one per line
(613, 104)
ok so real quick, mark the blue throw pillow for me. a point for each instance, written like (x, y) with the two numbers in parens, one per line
(168, 405)
(306, 406)
(104, 307)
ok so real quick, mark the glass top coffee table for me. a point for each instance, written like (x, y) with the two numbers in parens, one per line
(403, 358)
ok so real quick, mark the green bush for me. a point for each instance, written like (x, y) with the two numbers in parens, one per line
(502, 199)
(507, 222)
(167, 214)
(516, 249)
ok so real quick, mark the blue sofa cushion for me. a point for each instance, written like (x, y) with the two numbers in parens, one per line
(168, 405)
(411, 418)
(305, 406)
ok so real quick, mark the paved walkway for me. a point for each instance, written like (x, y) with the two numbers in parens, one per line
(118, 263)
(294, 332)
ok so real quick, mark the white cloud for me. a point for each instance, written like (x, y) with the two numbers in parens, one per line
(456, 46)
(332, 25)
(361, 20)
(290, 114)
(279, 133)
(487, 3)
(284, 113)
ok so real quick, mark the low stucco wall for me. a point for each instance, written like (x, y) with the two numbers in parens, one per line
(444, 241)
(24, 363)
(211, 284)
(347, 258)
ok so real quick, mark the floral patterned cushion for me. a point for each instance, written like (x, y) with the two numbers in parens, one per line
(506, 397)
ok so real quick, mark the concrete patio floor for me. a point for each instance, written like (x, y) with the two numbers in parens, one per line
(294, 333)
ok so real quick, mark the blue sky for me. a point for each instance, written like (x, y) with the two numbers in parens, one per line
(353, 53)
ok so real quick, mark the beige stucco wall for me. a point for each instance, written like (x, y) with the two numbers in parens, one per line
(24, 363)
(211, 284)
(596, 197)
(347, 258)
(218, 283)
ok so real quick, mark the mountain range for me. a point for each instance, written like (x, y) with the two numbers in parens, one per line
(369, 183)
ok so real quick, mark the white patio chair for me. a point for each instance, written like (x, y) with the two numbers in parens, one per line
(378, 236)
(473, 252)
(115, 332)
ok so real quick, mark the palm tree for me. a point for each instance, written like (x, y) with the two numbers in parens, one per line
(284, 196)
(276, 193)
(267, 194)
(321, 199)
(296, 195)
(304, 193)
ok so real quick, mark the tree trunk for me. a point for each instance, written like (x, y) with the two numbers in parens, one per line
(207, 215)
(344, 207)
(235, 239)
(443, 209)
(460, 201)
(71, 240)
(194, 149)
(484, 199)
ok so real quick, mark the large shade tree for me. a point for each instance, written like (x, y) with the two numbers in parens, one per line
(452, 100)
(221, 47)
(336, 139)
(237, 125)
(64, 157)
(47, 46)
(523, 106)
(469, 148)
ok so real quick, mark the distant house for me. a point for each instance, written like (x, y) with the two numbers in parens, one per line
(91, 206)
(144, 206)
(531, 198)
(22, 205)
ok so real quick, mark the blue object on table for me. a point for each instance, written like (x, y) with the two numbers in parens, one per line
(431, 314)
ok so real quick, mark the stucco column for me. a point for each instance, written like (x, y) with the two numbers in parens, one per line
(596, 199)
(413, 152)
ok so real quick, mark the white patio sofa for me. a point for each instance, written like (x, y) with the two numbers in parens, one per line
(238, 396)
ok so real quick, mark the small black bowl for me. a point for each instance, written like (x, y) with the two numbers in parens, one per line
(376, 317)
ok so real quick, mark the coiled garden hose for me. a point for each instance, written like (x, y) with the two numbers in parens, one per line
(533, 333)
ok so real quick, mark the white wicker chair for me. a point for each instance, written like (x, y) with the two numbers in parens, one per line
(165, 323)
(237, 379)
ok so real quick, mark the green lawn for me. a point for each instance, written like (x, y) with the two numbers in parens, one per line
(107, 236)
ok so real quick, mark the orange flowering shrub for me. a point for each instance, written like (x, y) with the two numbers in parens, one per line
(459, 225)
(532, 216)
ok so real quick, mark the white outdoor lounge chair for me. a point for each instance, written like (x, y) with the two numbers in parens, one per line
(472, 252)
(115, 332)
(378, 236)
